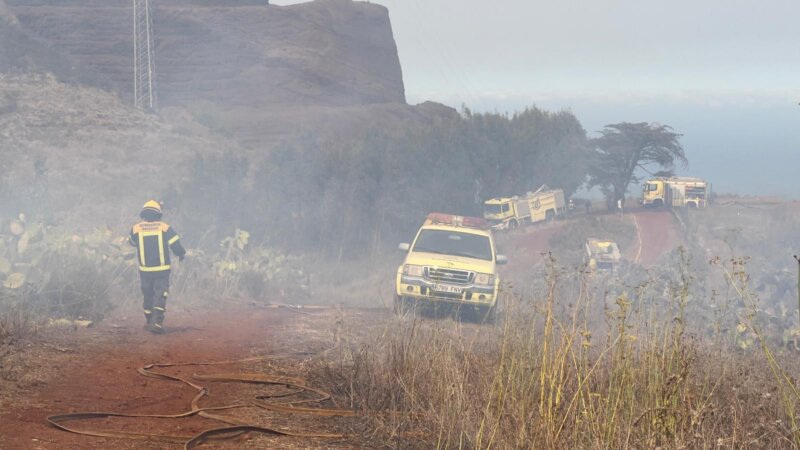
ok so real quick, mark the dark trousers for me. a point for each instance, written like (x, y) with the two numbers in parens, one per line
(155, 288)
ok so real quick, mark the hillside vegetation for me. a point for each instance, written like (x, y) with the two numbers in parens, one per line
(79, 156)
(355, 195)
(315, 148)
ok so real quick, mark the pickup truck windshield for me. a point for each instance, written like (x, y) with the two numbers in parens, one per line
(454, 243)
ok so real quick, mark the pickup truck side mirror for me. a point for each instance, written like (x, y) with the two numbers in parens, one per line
(501, 260)
(405, 246)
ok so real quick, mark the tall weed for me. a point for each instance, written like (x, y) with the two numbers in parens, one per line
(551, 375)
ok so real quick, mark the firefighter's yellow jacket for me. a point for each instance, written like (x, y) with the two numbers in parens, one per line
(153, 241)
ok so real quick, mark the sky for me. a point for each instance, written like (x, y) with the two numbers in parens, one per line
(724, 73)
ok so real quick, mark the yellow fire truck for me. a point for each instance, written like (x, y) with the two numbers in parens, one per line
(676, 192)
(452, 261)
(510, 213)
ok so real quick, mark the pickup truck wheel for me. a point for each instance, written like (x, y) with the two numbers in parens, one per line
(513, 225)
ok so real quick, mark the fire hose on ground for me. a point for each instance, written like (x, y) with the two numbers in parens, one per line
(233, 427)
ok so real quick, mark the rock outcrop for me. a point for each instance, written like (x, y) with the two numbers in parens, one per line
(232, 54)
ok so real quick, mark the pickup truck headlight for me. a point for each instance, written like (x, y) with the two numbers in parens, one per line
(485, 279)
(412, 270)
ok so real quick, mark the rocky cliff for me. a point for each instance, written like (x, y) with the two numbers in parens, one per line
(229, 53)
(233, 76)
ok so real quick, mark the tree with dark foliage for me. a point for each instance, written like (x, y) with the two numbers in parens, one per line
(625, 150)
(359, 193)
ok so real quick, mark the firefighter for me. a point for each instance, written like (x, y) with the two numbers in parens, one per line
(154, 240)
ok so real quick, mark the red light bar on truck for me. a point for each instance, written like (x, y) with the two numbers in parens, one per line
(458, 221)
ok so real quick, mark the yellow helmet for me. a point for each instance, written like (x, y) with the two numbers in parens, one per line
(152, 207)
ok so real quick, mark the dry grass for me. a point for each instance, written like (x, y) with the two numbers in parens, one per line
(63, 284)
(548, 376)
(17, 320)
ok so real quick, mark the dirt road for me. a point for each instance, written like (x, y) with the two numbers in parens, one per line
(527, 247)
(95, 369)
(657, 235)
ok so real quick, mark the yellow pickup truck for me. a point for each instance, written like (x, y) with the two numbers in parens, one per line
(452, 261)
(603, 255)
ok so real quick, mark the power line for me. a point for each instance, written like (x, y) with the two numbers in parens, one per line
(144, 64)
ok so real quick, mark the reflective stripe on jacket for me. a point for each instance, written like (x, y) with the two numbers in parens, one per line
(153, 241)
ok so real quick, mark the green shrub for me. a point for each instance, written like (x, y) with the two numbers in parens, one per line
(49, 274)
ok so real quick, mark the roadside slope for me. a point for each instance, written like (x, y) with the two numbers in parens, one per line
(82, 156)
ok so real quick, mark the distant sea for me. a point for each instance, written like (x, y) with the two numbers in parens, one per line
(744, 144)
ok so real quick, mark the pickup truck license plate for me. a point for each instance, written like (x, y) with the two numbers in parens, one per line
(448, 289)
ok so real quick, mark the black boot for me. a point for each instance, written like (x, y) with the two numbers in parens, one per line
(148, 317)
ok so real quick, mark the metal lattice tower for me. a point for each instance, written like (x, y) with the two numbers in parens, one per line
(144, 64)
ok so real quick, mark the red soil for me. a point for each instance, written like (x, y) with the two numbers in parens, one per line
(659, 234)
(98, 372)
